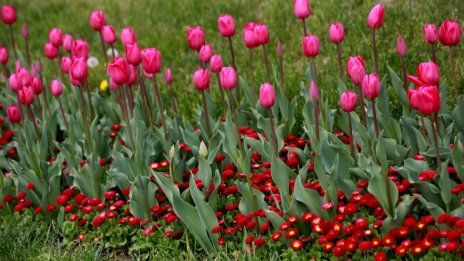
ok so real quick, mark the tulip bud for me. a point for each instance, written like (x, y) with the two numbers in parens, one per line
(261, 33)
(195, 37)
(65, 64)
(375, 18)
(313, 91)
(132, 75)
(24, 77)
(55, 88)
(108, 34)
(249, 37)
(371, 86)
(430, 33)
(8, 14)
(355, 69)
(301, 9)
(25, 30)
(215, 63)
(205, 53)
(128, 36)
(201, 79)
(266, 95)
(80, 49)
(311, 46)
(36, 85)
(151, 60)
(226, 25)
(401, 47)
(68, 43)
(118, 70)
(78, 70)
(168, 76)
(426, 99)
(336, 33)
(133, 54)
(14, 113)
(280, 49)
(36, 68)
(450, 33)
(3, 55)
(97, 20)
(428, 73)
(55, 37)
(26, 95)
(172, 152)
(51, 52)
(228, 78)
(203, 150)
(348, 101)
(14, 83)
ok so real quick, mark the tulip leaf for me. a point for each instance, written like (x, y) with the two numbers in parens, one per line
(401, 212)
(378, 187)
(309, 197)
(280, 175)
(142, 197)
(399, 88)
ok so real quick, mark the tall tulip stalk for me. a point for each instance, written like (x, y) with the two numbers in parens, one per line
(267, 100)
(168, 79)
(302, 11)
(314, 96)
(262, 36)
(250, 40)
(450, 35)
(97, 21)
(8, 15)
(56, 89)
(311, 46)
(337, 35)
(228, 81)
(201, 81)
(371, 90)
(431, 37)
(25, 35)
(226, 26)
(401, 50)
(356, 71)
(375, 21)
(348, 104)
(216, 66)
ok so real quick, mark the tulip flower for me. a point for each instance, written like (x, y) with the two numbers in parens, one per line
(109, 37)
(201, 81)
(80, 49)
(262, 36)
(118, 70)
(65, 64)
(250, 40)
(51, 52)
(226, 26)
(302, 11)
(151, 60)
(427, 74)
(337, 35)
(14, 113)
(401, 50)
(195, 37)
(168, 80)
(128, 36)
(355, 70)
(56, 89)
(97, 20)
(14, 83)
(25, 35)
(68, 43)
(132, 77)
(431, 37)
(267, 100)
(375, 21)
(371, 90)
(215, 65)
(314, 96)
(24, 77)
(133, 54)
(228, 78)
(36, 85)
(78, 69)
(205, 53)
(3, 55)
(310, 46)
(8, 15)
(55, 37)
(450, 35)
(348, 103)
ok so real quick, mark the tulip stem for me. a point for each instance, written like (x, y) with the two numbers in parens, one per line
(266, 62)
(424, 132)
(63, 113)
(281, 63)
(405, 74)
(124, 108)
(84, 118)
(363, 106)
(145, 100)
(350, 124)
(105, 57)
(234, 114)
(5, 68)
(112, 51)
(313, 69)
(389, 197)
(232, 55)
(316, 117)
(28, 55)
(89, 100)
(454, 75)
(32, 118)
(376, 122)
(435, 140)
(376, 55)
(250, 58)
(173, 99)
(205, 107)
(340, 67)
(45, 96)
(160, 105)
(130, 100)
(13, 43)
(221, 92)
(305, 30)
(274, 136)
(434, 56)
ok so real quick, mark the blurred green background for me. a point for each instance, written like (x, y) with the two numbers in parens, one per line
(162, 24)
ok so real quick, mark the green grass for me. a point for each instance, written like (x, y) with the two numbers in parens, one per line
(162, 24)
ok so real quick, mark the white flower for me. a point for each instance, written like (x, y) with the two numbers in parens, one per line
(109, 53)
(92, 62)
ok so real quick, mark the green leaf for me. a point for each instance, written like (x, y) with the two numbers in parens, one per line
(378, 187)
(280, 175)
(398, 85)
(142, 197)
(401, 212)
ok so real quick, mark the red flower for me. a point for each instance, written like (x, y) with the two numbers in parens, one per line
(380, 256)
(249, 239)
(276, 235)
(296, 245)
(259, 241)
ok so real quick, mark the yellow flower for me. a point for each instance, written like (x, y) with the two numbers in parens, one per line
(103, 85)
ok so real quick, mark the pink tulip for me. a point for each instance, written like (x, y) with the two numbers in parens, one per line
(261, 33)
(450, 33)
(427, 74)
(375, 18)
(24, 77)
(8, 14)
(426, 99)
(36, 68)
(26, 95)
(401, 47)
(68, 43)
(205, 53)
(132, 75)
(168, 76)
(55, 88)
(430, 33)
(336, 33)
(371, 86)
(97, 20)
(215, 63)
(133, 54)
(226, 25)
(3, 55)
(266, 95)
(355, 69)
(108, 34)
(310, 46)
(228, 78)
(51, 52)
(37, 85)
(280, 49)
(65, 64)
(195, 37)
(14, 113)
(249, 37)
(201, 79)
(313, 91)
(301, 9)
(348, 101)
(80, 48)
(14, 83)
(113, 85)
(128, 36)
(151, 60)
(55, 37)
(78, 70)
(25, 30)
(118, 70)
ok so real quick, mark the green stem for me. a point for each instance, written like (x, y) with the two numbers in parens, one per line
(221, 92)
(13, 42)
(63, 113)
(234, 114)
(34, 122)
(376, 55)
(160, 105)
(435, 140)
(350, 124)
(305, 30)
(205, 107)
(340, 61)
(232, 55)
(376, 122)
(266, 62)
(84, 118)
(274, 136)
